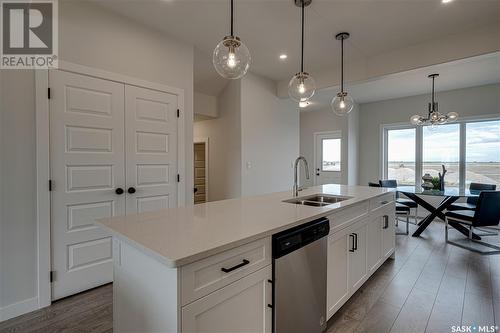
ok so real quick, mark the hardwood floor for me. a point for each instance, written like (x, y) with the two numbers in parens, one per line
(429, 287)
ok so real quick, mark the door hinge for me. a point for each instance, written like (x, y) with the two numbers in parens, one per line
(48, 93)
(52, 276)
(178, 178)
(178, 113)
(51, 184)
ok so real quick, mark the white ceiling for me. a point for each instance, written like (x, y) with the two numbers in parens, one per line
(271, 27)
(465, 73)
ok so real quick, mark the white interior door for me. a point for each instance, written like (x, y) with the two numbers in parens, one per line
(151, 141)
(328, 158)
(87, 166)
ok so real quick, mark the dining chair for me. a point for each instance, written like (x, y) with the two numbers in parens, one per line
(472, 201)
(486, 214)
(392, 183)
(401, 210)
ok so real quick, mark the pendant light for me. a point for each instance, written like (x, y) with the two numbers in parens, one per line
(342, 103)
(231, 57)
(302, 86)
(434, 117)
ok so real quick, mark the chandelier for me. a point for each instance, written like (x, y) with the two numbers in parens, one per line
(434, 117)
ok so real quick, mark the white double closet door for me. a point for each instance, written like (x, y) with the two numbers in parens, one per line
(113, 151)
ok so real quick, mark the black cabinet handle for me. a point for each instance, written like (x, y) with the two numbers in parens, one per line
(384, 202)
(355, 241)
(352, 248)
(386, 221)
(269, 306)
(227, 270)
(119, 191)
(131, 190)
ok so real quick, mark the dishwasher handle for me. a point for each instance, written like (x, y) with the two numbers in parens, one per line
(243, 263)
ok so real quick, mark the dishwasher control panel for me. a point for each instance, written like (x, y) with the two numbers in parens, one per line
(295, 238)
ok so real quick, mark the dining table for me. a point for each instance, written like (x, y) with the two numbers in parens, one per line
(448, 196)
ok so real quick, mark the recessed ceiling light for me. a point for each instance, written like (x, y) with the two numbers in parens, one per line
(304, 104)
(446, 1)
(283, 56)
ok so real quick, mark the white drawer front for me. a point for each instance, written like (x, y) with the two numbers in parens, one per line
(340, 219)
(205, 276)
(381, 201)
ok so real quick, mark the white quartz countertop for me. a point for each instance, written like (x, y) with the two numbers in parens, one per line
(178, 236)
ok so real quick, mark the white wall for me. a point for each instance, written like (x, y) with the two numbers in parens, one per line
(205, 106)
(94, 37)
(467, 102)
(353, 146)
(18, 236)
(270, 138)
(224, 148)
(254, 128)
(326, 121)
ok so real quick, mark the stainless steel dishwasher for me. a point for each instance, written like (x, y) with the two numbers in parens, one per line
(299, 278)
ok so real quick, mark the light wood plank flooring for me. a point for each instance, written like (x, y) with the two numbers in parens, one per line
(427, 288)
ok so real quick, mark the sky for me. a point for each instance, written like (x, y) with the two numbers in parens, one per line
(441, 143)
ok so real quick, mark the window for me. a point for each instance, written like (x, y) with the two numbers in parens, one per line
(470, 151)
(331, 155)
(401, 155)
(441, 146)
(482, 162)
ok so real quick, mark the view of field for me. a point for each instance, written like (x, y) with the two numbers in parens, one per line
(477, 172)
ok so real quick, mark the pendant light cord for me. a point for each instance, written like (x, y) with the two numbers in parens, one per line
(342, 65)
(232, 18)
(433, 78)
(302, 45)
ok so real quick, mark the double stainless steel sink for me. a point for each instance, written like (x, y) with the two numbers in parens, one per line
(317, 200)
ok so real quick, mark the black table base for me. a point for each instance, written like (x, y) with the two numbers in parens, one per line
(436, 212)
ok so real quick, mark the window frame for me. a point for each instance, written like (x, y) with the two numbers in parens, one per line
(385, 128)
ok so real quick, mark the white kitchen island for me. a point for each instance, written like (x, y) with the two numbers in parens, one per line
(168, 264)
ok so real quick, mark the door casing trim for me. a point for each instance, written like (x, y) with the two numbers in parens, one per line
(42, 119)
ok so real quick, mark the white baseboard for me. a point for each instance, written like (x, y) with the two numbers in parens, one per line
(19, 308)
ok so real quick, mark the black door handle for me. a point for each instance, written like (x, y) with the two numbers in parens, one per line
(355, 241)
(119, 191)
(131, 190)
(386, 221)
(352, 248)
(227, 270)
(195, 189)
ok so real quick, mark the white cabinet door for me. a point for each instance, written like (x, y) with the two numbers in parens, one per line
(337, 272)
(241, 306)
(357, 256)
(388, 233)
(151, 141)
(373, 244)
(87, 166)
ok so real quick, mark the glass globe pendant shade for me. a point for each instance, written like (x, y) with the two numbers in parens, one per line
(452, 116)
(231, 58)
(342, 104)
(301, 87)
(416, 120)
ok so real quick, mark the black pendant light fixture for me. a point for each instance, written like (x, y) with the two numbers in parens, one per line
(231, 57)
(302, 86)
(434, 117)
(342, 103)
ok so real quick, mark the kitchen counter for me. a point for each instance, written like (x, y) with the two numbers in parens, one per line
(179, 236)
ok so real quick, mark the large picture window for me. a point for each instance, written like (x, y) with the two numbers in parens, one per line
(401, 155)
(470, 151)
(482, 163)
